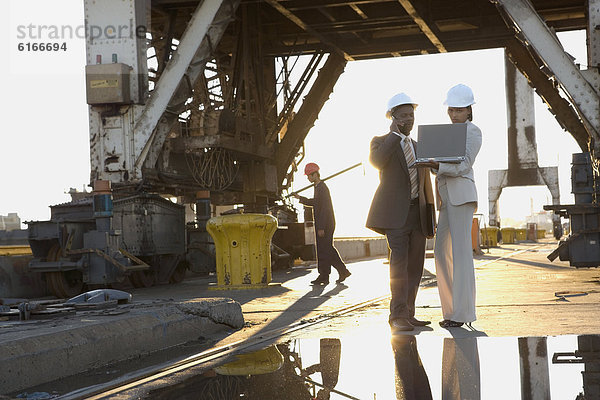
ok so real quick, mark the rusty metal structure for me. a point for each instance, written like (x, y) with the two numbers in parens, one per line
(210, 101)
(523, 168)
(228, 112)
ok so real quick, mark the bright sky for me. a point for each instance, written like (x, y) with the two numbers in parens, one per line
(45, 144)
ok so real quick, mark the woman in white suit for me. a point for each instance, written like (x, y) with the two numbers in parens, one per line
(457, 202)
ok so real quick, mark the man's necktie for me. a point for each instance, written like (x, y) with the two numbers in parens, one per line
(412, 171)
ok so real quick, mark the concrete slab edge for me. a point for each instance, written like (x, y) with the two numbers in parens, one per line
(44, 358)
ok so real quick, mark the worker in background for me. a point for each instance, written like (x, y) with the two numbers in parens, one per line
(403, 209)
(330, 352)
(327, 255)
(457, 202)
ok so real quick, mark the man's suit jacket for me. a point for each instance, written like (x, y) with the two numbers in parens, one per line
(391, 202)
(459, 178)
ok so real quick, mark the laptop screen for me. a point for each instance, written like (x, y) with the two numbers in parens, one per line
(442, 142)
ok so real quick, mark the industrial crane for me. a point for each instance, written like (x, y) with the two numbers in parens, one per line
(208, 103)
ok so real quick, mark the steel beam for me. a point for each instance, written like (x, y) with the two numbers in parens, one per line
(593, 34)
(307, 114)
(197, 143)
(292, 17)
(225, 14)
(358, 11)
(168, 42)
(170, 80)
(410, 9)
(563, 111)
(546, 45)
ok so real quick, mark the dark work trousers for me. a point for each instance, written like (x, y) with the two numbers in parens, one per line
(407, 246)
(328, 256)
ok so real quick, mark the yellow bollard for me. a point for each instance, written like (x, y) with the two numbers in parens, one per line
(260, 362)
(521, 234)
(489, 236)
(509, 235)
(243, 249)
(541, 233)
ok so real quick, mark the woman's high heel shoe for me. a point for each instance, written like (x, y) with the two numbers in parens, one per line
(450, 324)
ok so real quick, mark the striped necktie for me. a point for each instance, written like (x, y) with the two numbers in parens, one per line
(412, 171)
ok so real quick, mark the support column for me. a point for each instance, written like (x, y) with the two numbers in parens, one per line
(520, 112)
(523, 169)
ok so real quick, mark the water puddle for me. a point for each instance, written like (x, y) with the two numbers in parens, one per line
(381, 366)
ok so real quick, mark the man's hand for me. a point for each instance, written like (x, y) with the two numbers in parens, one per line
(429, 164)
(400, 126)
(321, 233)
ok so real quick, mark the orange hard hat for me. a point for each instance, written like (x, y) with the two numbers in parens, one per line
(310, 168)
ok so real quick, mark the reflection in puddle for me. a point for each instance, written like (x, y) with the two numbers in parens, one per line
(460, 369)
(411, 378)
(405, 367)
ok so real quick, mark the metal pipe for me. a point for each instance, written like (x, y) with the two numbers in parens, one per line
(324, 179)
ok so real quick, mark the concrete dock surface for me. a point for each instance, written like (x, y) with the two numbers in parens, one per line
(519, 293)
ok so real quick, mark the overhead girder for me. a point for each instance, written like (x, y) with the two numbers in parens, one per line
(315, 29)
(582, 95)
(426, 27)
(475, 22)
(294, 18)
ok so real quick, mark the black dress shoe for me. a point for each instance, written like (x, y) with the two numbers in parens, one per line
(321, 280)
(416, 322)
(401, 324)
(447, 323)
(343, 276)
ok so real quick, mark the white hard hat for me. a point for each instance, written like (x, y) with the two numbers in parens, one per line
(398, 100)
(459, 96)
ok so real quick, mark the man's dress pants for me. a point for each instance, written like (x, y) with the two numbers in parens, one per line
(407, 246)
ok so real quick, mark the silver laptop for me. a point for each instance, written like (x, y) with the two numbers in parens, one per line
(442, 143)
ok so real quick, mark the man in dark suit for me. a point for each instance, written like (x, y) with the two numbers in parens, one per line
(327, 255)
(402, 209)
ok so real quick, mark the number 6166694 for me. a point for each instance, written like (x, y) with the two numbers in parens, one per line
(50, 46)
